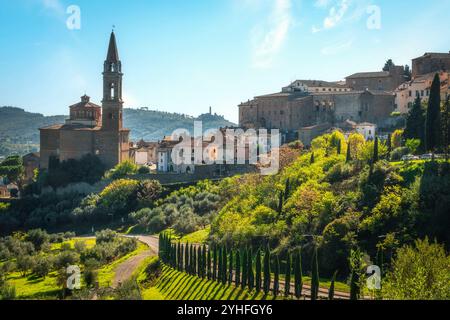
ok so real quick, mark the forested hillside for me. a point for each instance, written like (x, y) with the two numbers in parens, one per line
(19, 132)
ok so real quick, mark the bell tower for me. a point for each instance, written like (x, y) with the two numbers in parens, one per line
(112, 102)
(112, 142)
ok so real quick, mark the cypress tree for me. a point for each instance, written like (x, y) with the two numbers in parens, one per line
(298, 281)
(204, 261)
(375, 151)
(349, 153)
(331, 290)
(312, 160)
(287, 189)
(267, 279)
(314, 276)
(287, 281)
(214, 270)
(186, 258)
(159, 245)
(179, 256)
(339, 146)
(258, 270)
(230, 268)
(244, 270)
(194, 265)
(415, 123)
(276, 280)
(433, 120)
(389, 146)
(280, 203)
(199, 261)
(220, 266)
(182, 255)
(237, 277)
(208, 264)
(446, 127)
(192, 261)
(355, 266)
(224, 265)
(251, 275)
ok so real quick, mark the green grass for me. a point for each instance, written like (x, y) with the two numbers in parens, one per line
(106, 274)
(326, 283)
(89, 242)
(175, 285)
(197, 237)
(31, 287)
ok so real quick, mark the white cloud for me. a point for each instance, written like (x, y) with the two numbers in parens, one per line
(340, 11)
(268, 43)
(336, 14)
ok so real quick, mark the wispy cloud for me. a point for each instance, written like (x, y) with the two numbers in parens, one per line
(267, 43)
(336, 13)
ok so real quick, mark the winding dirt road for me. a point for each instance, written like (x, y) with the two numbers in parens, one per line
(125, 270)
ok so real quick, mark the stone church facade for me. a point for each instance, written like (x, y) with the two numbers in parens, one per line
(92, 129)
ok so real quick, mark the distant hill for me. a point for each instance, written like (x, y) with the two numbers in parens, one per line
(19, 132)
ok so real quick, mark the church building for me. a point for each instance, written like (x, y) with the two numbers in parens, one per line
(92, 129)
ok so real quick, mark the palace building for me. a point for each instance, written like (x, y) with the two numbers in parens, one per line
(92, 129)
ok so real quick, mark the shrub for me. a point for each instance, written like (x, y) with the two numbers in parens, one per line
(419, 272)
(122, 170)
(119, 196)
(106, 235)
(66, 258)
(144, 170)
(90, 277)
(42, 266)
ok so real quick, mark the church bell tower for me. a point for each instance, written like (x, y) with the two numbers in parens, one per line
(112, 89)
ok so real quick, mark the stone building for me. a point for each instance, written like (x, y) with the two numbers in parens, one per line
(92, 129)
(430, 62)
(420, 86)
(291, 111)
(380, 80)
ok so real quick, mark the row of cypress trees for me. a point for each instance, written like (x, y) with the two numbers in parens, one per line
(241, 267)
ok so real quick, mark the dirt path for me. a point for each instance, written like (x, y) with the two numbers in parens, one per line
(125, 270)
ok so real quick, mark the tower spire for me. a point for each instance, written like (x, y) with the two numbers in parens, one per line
(113, 53)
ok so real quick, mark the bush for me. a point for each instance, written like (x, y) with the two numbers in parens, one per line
(419, 272)
(148, 191)
(122, 170)
(66, 258)
(144, 170)
(119, 197)
(42, 266)
(37, 237)
(90, 277)
(106, 235)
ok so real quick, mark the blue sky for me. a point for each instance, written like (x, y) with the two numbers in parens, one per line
(186, 55)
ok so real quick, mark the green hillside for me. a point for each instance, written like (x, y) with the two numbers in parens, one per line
(19, 132)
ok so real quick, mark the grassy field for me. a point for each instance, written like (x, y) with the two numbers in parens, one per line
(31, 287)
(197, 237)
(89, 242)
(175, 285)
